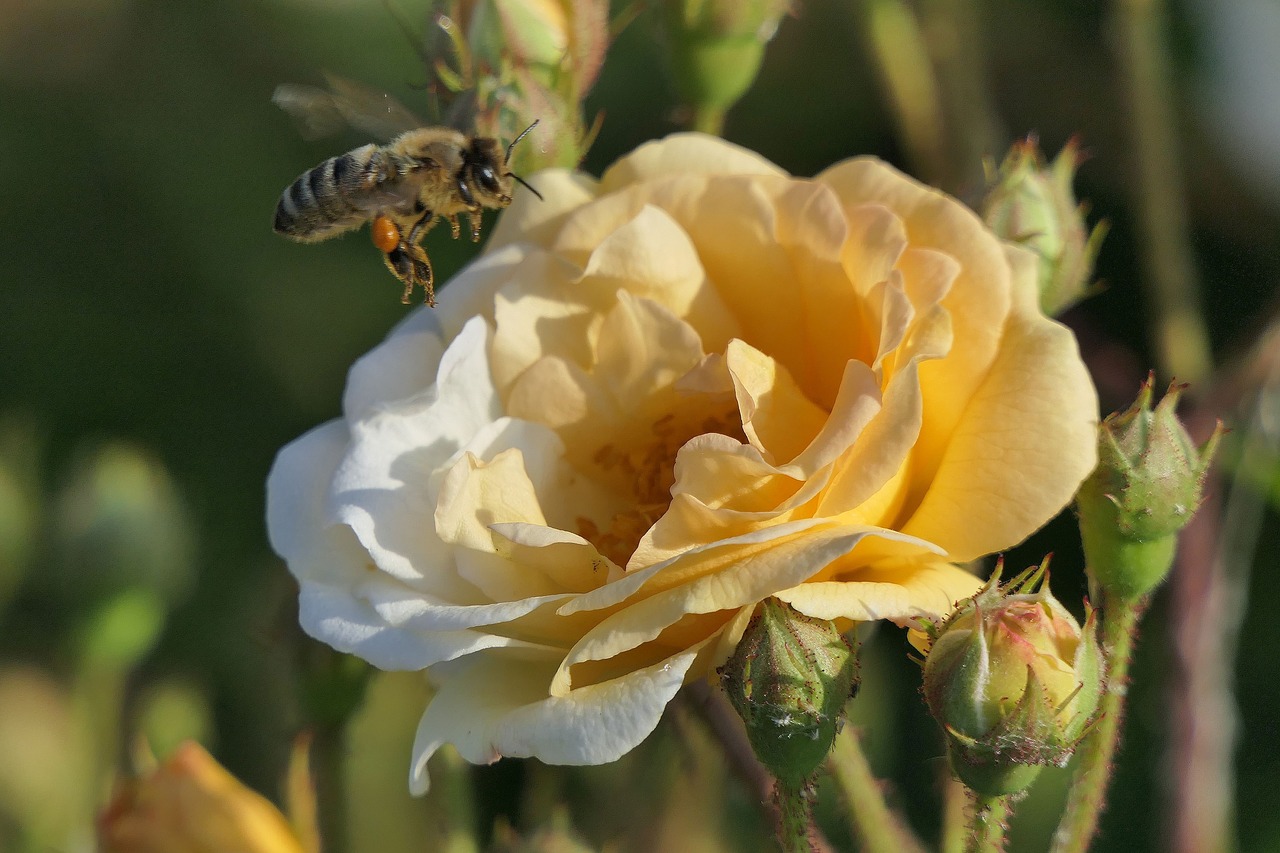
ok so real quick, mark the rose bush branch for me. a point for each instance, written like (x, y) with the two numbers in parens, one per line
(1148, 483)
(989, 823)
(878, 828)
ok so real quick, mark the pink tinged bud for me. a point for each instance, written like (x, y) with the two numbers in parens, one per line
(1033, 204)
(1147, 486)
(789, 680)
(1013, 680)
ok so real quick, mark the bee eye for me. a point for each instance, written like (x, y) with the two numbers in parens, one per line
(485, 175)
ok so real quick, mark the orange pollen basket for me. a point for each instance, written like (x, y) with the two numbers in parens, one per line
(385, 234)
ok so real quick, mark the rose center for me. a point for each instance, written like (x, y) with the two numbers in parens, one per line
(645, 468)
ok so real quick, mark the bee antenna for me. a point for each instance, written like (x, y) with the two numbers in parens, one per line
(522, 135)
(527, 186)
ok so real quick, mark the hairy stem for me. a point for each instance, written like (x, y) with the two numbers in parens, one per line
(1096, 755)
(794, 818)
(990, 820)
(877, 828)
(955, 799)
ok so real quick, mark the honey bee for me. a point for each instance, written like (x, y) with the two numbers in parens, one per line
(402, 188)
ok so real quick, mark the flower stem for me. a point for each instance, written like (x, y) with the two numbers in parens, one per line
(877, 828)
(451, 775)
(990, 820)
(794, 818)
(1181, 338)
(1096, 754)
(709, 120)
(900, 56)
(955, 798)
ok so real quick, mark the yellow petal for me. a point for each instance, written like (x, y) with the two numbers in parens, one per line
(684, 154)
(1026, 441)
(919, 589)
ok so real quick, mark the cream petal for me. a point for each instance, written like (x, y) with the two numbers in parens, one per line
(684, 154)
(721, 576)
(384, 487)
(475, 494)
(925, 589)
(498, 704)
(349, 624)
(643, 348)
(570, 561)
(341, 591)
(1025, 443)
(402, 366)
(881, 451)
(551, 315)
(296, 487)
(856, 405)
(979, 300)
(400, 607)
(649, 255)
(627, 244)
(471, 292)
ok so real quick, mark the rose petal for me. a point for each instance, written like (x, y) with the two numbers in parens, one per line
(493, 705)
(684, 154)
(913, 590)
(1025, 442)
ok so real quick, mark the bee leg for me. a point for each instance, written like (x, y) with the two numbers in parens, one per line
(473, 217)
(410, 264)
(453, 224)
(419, 228)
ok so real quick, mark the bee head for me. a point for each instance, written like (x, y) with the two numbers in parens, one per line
(484, 173)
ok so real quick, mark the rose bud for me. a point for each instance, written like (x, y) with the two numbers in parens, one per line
(715, 49)
(1146, 487)
(1013, 680)
(789, 680)
(190, 804)
(1033, 205)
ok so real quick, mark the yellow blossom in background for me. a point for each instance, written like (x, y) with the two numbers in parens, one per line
(190, 804)
(660, 398)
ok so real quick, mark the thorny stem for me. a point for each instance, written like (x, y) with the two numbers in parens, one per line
(877, 827)
(726, 726)
(990, 820)
(794, 818)
(1096, 754)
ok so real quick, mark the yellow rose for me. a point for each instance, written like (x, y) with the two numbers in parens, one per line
(658, 399)
(191, 804)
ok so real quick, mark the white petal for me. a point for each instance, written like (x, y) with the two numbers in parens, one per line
(402, 366)
(296, 487)
(497, 704)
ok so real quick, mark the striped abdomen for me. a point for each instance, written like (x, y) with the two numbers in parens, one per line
(335, 196)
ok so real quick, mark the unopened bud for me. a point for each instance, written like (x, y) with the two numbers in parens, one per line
(1013, 680)
(190, 804)
(1146, 487)
(1033, 204)
(789, 680)
(716, 47)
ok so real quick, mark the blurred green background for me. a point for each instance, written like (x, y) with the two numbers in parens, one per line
(158, 344)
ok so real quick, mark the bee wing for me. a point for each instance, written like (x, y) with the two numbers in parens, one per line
(324, 112)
